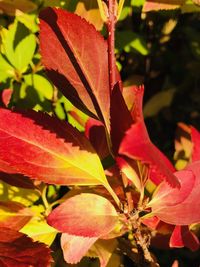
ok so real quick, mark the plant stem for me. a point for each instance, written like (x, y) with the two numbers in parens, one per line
(112, 18)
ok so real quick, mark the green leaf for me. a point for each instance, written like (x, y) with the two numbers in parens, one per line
(127, 40)
(41, 84)
(158, 101)
(103, 250)
(19, 45)
(24, 196)
(6, 70)
(29, 20)
(40, 231)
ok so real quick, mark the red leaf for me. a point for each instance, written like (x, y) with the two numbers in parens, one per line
(137, 145)
(86, 215)
(75, 247)
(183, 237)
(18, 250)
(80, 68)
(136, 109)
(179, 206)
(47, 149)
(195, 135)
(6, 96)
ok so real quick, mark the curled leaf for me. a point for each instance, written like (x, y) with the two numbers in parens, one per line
(179, 206)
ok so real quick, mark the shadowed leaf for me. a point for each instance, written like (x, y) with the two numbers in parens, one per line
(18, 250)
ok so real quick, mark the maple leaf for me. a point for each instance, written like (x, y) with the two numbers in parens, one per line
(18, 250)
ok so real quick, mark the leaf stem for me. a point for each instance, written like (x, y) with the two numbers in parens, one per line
(44, 197)
(115, 197)
(112, 19)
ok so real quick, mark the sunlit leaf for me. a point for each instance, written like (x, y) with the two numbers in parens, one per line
(21, 195)
(40, 231)
(6, 70)
(155, 5)
(87, 215)
(128, 40)
(179, 206)
(89, 10)
(137, 145)
(53, 151)
(87, 88)
(103, 250)
(75, 247)
(19, 45)
(41, 84)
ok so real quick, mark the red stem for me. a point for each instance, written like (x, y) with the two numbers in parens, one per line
(111, 42)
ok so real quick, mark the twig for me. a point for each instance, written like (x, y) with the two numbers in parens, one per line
(111, 22)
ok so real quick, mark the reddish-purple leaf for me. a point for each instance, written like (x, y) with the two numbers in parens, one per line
(87, 215)
(9, 175)
(121, 119)
(14, 215)
(95, 132)
(18, 250)
(75, 247)
(195, 135)
(183, 237)
(80, 67)
(17, 180)
(137, 145)
(44, 148)
(179, 206)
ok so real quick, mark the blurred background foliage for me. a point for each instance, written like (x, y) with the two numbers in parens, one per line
(160, 48)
